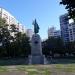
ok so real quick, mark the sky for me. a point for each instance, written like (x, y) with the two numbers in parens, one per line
(46, 12)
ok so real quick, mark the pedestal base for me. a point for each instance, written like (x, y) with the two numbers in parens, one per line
(37, 59)
(36, 51)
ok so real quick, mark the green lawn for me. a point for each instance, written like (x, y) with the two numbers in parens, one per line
(53, 69)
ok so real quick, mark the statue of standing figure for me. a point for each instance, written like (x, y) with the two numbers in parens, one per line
(36, 26)
(36, 47)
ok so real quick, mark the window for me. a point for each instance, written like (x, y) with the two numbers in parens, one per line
(5, 16)
(73, 29)
(70, 30)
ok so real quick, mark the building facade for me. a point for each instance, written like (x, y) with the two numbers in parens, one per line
(10, 19)
(71, 28)
(29, 33)
(52, 32)
(64, 27)
(67, 29)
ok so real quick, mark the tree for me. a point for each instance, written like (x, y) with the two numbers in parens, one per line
(4, 32)
(21, 46)
(52, 45)
(4, 36)
(70, 46)
(16, 45)
(70, 6)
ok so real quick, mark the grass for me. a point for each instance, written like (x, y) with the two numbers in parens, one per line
(70, 68)
(3, 69)
(34, 70)
(42, 69)
(65, 68)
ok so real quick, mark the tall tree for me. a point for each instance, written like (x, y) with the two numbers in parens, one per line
(70, 6)
(4, 32)
(23, 44)
(4, 37)
(52, 45)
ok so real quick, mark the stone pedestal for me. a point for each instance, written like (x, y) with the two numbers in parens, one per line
(37, 59)
(36, 50)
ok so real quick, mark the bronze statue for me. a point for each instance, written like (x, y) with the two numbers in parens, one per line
(36, 26)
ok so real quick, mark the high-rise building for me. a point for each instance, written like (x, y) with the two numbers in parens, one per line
(21, 28)
(10, 19)
(64, 27)
(29, 33)
(67, 29)
(71, 28)
(52, 32)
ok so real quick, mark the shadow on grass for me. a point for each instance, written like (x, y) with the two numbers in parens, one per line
(13, 61)
(24, 61)
(61, 61)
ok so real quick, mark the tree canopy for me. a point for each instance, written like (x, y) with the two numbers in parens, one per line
(70, 6)
(16, 45)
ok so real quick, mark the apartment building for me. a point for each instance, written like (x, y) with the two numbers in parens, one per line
(67, 29)
(10, 19)
(29, 33)
(52, 32)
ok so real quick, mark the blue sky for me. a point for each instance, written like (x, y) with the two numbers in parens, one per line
(46, 12)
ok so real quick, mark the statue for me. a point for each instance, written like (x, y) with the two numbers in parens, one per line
(36, 56)
(36, 26)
